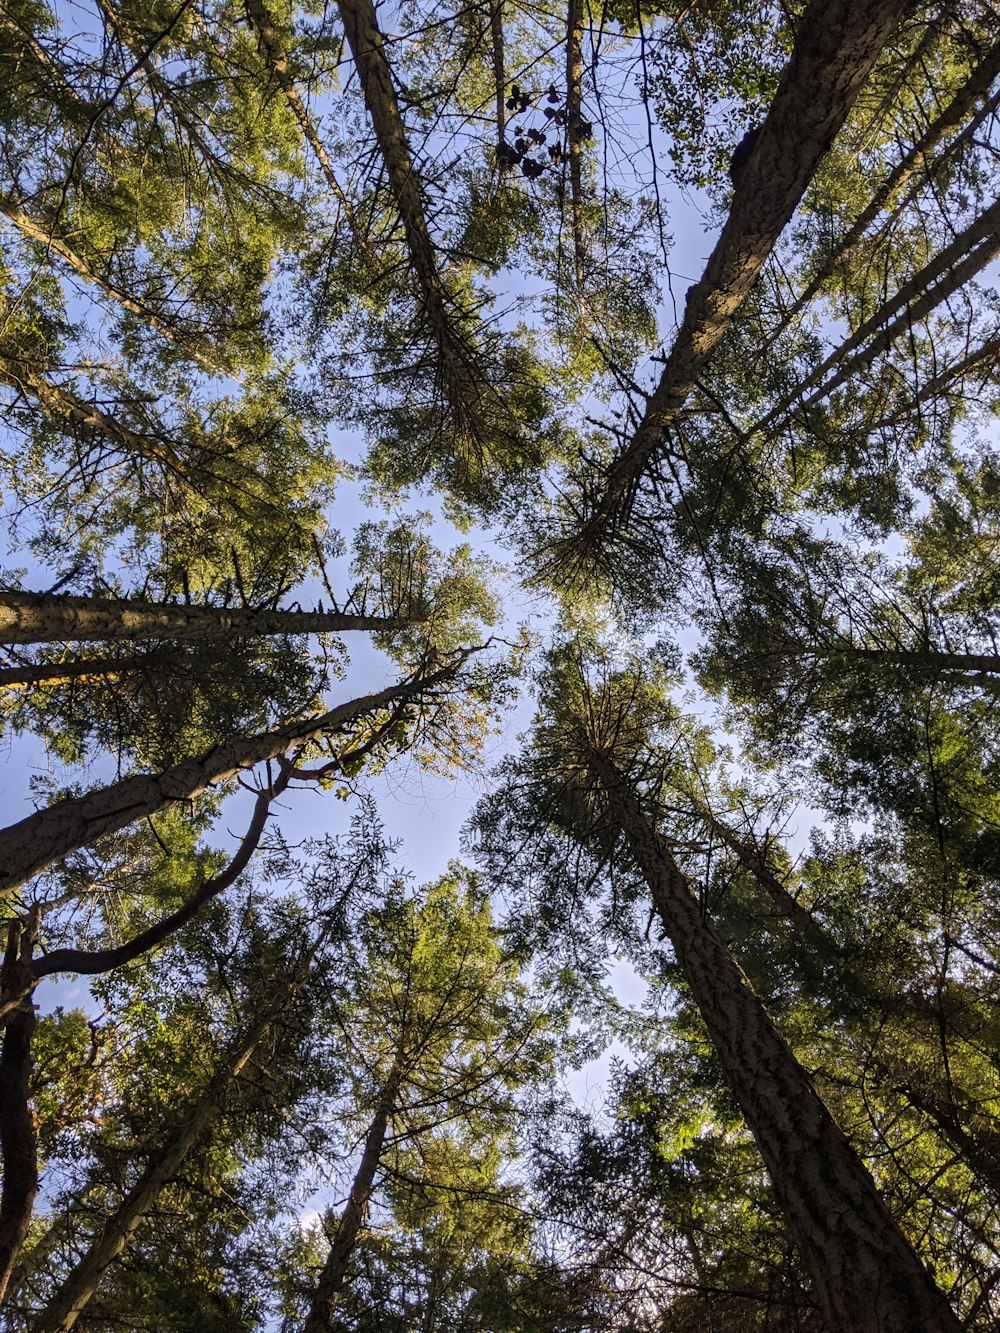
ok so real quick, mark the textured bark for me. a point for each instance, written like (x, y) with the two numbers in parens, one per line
(866, 1276)
(37, 617)
(499, 76)
(949, 271)
(462, 380)
(67, 1304)
(862, 1003)
(331, 1280)
(975, 87)
(837, 44)
(50, 834)
(574, 101)
(18, 1143)
(930, 660)
(82, 669)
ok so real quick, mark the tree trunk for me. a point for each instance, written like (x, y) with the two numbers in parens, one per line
(462, 379)
(959, 1117)
(81, 669)
(867, 1278)
(928, 660)
(75, 416)
(37, 617)
(58, 246)
(499, 77)
(18, 1143)
(331, 1280)
(574, 101)
(837, 44)
(982, 360)
(66, 1305)
(277, 63)
(45, 837)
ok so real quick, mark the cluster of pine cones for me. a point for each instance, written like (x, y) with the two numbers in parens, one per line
(519, 153)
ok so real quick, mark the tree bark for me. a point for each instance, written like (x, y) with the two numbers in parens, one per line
(499, 76)
(958, 1116)
(867, 1278)
(18, 1142)
(58, 246)
(37, 617)
(574, 102)
(462, 378)
(43, 838)
(81, 669)
(838, 42)
(277, 62)
(331, 1280)
(74, 415)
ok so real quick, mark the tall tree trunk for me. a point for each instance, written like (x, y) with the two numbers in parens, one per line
(867, 1277)
(277, 62)
(927, 660)
(45, 837)
(67, 1304)
(82, 669)
(76, 417)
(837, 43)
(461, 376)
(982, 360)
(37, 617)
(862, 1002)
(331, 1280)
(18, 1142)
(574, 138)
(499, 76)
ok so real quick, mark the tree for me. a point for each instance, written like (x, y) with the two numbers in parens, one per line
(268, 271)
(446, 1036)
(596, 740)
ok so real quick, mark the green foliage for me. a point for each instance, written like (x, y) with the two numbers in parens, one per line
(239, 272)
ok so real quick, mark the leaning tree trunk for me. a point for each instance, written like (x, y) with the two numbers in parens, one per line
(948, 272)
(278, 63)
(837, 43)
(77, 418)
(58, 246)
(331, 1280)
(867, 1277)
(38, 617)
(574, 136)
(956, 1112)
(67, 1304)
(45, 837)
(462, 377)
(85, 670)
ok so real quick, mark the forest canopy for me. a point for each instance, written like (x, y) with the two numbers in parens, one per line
(588, 409)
